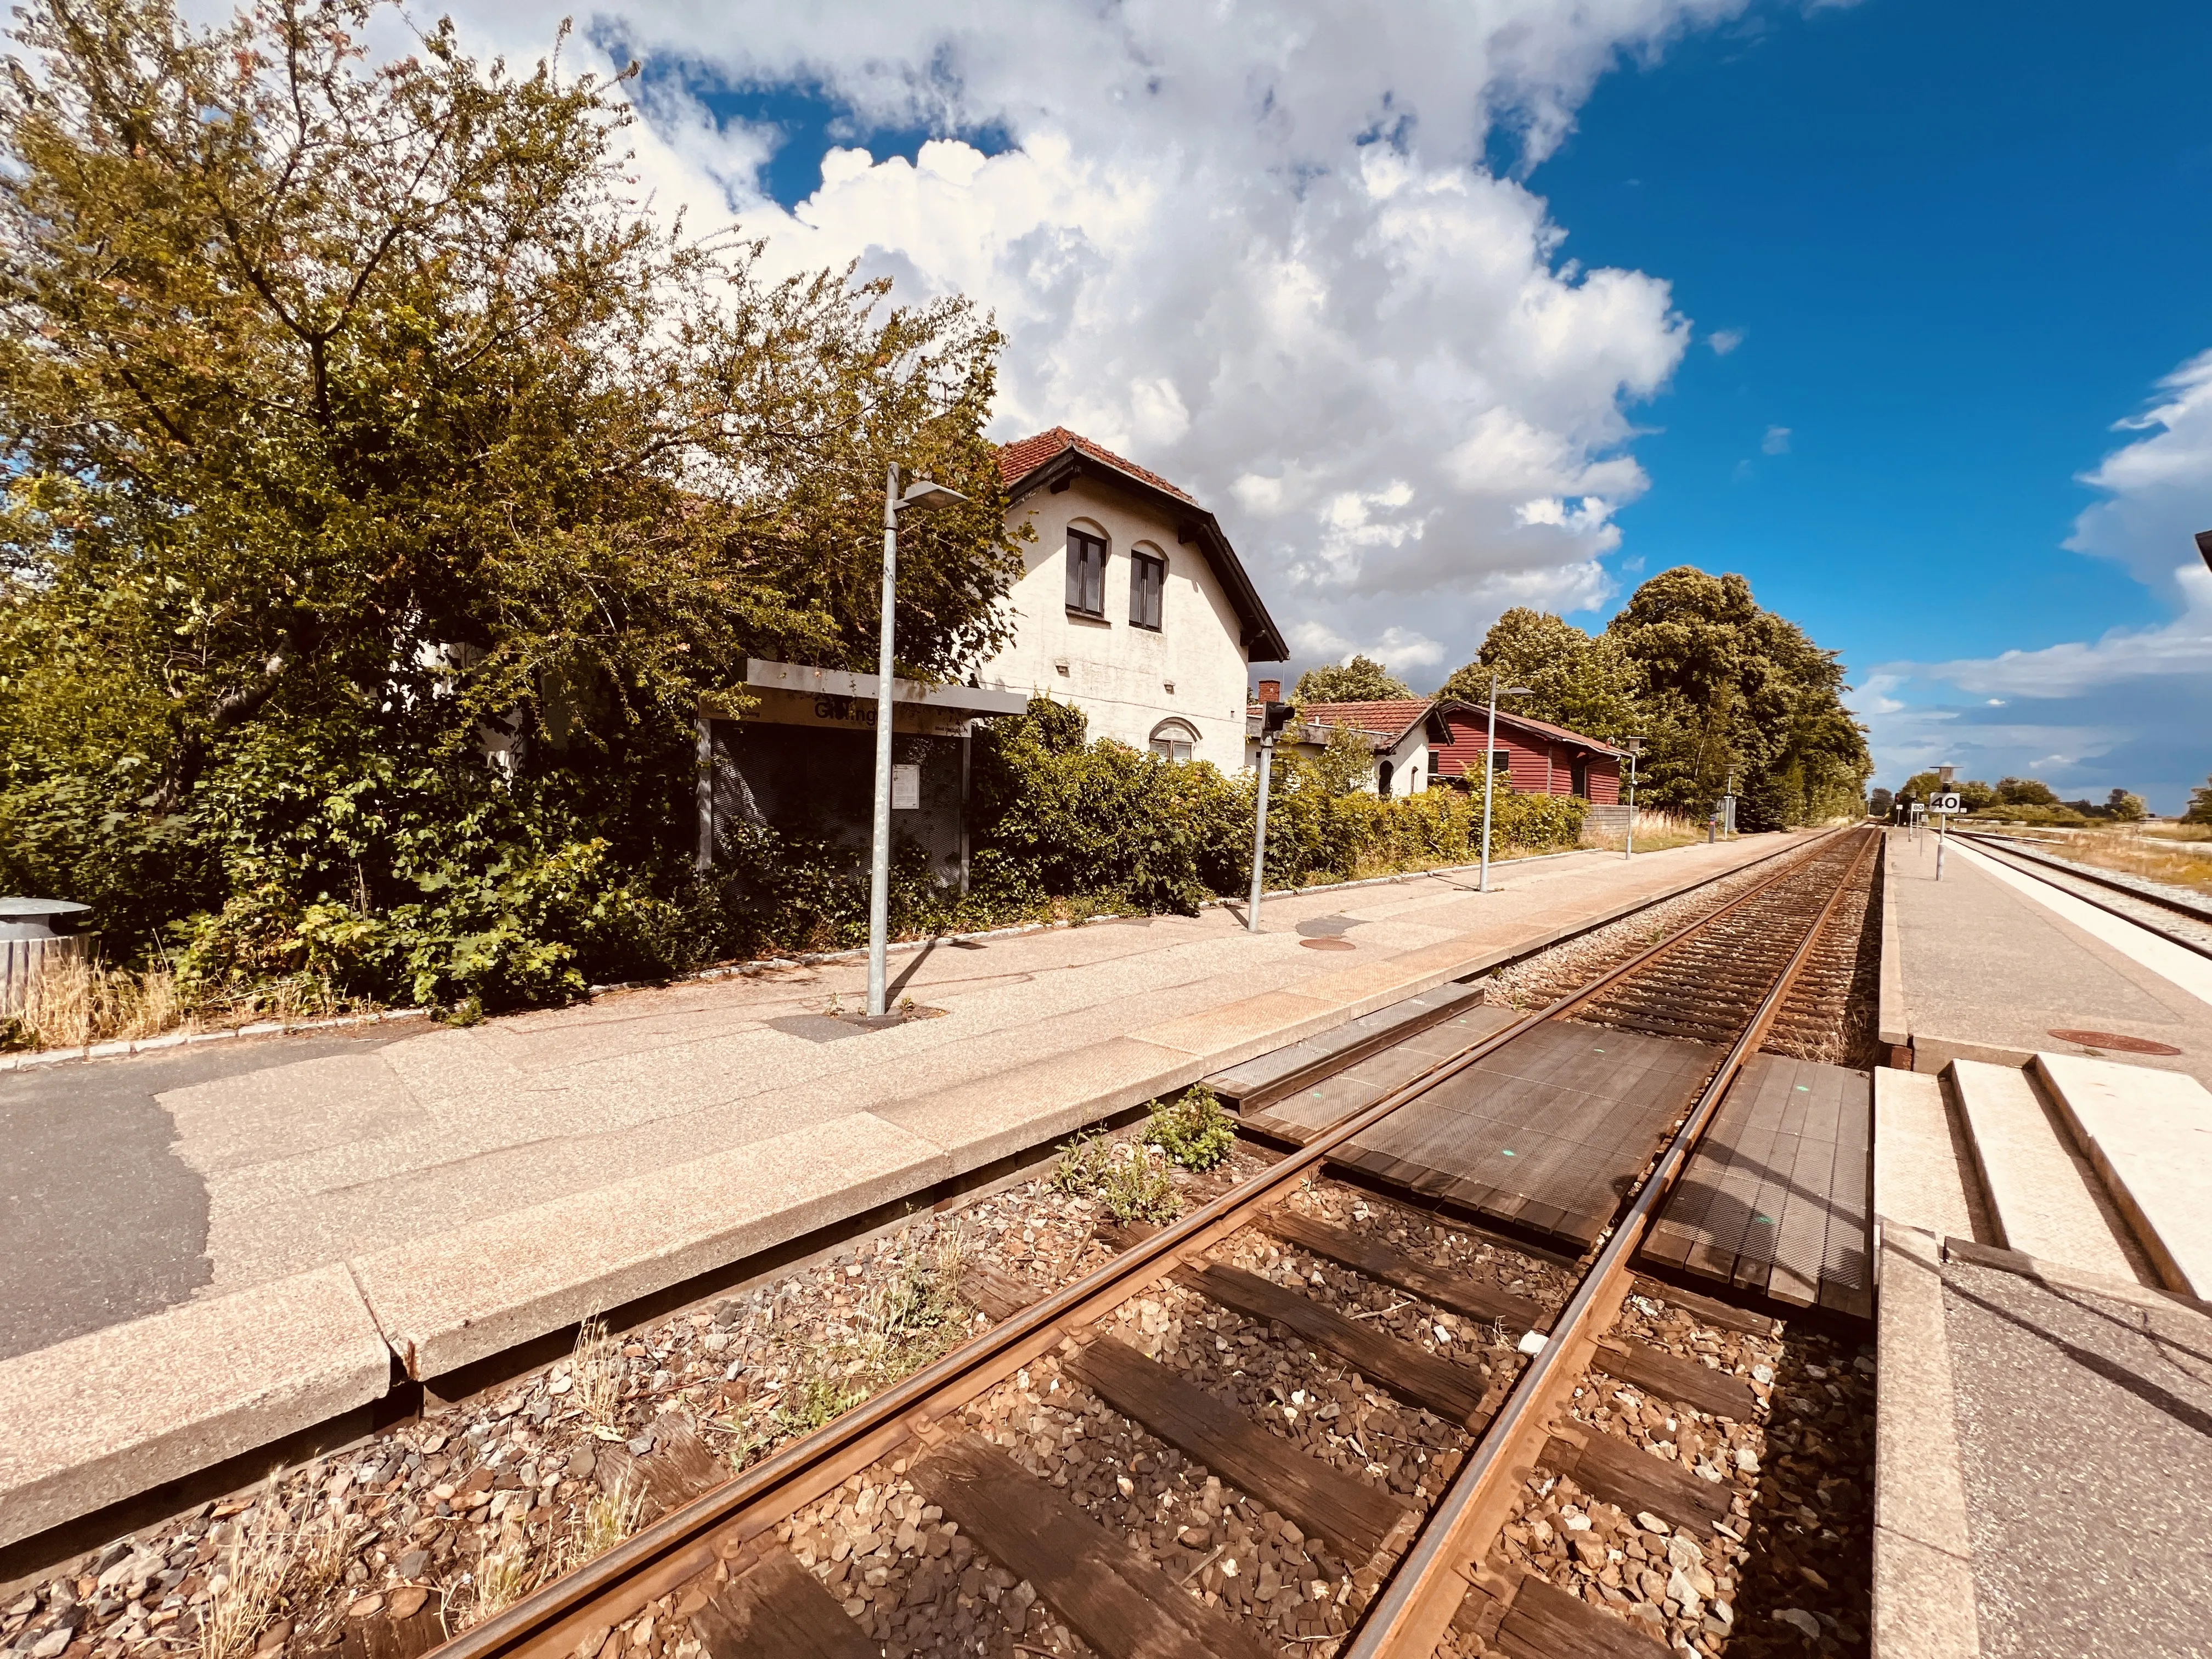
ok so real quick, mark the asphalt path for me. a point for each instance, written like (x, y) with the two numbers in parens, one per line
(99, 1220)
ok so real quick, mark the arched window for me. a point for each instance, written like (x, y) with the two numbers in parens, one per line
(1382, 775)
(1174, 740)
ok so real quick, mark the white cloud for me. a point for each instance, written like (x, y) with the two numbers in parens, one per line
(2129, 709)
(1725, 340)
(1256, 249)
(1776, 442)
(2158, 487)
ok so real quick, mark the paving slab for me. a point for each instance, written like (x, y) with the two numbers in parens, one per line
(2044, 1197)
(2084, 1424)
(2149, 1135)
(106, 1416)
(1923, 1162)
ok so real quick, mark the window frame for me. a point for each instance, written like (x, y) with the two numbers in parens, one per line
(1148, 579)
(1171, 734)
(1083, 580)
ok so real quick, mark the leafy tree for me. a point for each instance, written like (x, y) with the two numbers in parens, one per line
(1583, 684)
(383, 492)
(1348, 761)
(2200, 804)
(1975, 795)
(2025, 792)
(2126, 807)
(1361, 679)
(1725, 689)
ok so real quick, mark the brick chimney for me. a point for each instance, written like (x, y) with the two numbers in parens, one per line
(1270, 691)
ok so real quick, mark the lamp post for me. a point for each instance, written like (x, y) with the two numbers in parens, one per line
(1635, 747)
(1489, 768)
(924, 496)
(1274, 717)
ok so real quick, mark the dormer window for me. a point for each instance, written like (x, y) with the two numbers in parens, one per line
(1148, 578)
(1086, 574)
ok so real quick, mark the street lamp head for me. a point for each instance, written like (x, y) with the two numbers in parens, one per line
(1516, 690)
(1945, 774)
(928, 497)
(1633, 745)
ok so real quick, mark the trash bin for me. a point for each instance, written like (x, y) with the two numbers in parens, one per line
(29, 945)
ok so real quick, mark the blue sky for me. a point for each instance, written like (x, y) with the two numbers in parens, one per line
(1959, 241)
(1897, 307)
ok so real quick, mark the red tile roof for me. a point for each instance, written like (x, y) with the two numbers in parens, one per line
(1563, 733)
(1017, 460)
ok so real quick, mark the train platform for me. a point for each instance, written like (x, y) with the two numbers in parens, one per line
(1991, 964)
(2044, 1261)
(308, 1215)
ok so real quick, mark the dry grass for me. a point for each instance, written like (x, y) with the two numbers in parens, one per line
(271, 1566)
(503, 1577)
(1655, 831)
(595, 1371)
(81, 1000)
(2178, 856)
(76, 1000)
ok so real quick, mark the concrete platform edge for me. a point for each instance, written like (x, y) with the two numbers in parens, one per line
(1924, 1575)
(105, 1416)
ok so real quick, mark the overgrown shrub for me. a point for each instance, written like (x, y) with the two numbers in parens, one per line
(1193, 1131)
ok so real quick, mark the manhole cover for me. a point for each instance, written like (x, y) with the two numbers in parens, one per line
(2126, 1045)
(1328, 944)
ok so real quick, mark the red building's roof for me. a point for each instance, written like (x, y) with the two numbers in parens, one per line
(1395, 717)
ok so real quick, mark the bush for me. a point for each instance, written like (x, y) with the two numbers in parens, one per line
(1194, 1130)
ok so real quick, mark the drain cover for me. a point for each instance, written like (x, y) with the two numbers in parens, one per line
(1328, 944)
(2114, 1040)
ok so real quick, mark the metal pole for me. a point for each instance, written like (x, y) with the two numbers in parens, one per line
(1259, 839)
(1942, 834)
(1630, 852)
(879, 852)
(1489, 773)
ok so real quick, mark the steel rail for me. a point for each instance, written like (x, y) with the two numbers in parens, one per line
(2005, 854)
(1424, 1595)
(675, 1548)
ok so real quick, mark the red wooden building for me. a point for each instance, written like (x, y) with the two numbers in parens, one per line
(1537, 758)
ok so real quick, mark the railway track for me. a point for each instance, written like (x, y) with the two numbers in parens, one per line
(1416, 1567)
(2072, 878)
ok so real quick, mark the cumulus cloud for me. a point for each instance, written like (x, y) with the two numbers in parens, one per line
(1258, 251)
(2129, 709)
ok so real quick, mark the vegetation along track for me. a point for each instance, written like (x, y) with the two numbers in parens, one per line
(1407, 1565)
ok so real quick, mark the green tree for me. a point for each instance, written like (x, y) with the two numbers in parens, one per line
(2126, 807)
(2025, 792)
(2200, 804)
(1362, 679)
(359, 428)
(1348, 761)
(1727, 689)
(1583, 684)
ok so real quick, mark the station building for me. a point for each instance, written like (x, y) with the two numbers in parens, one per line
(1133, 606)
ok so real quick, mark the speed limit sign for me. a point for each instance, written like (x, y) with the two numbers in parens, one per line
(1944, 804)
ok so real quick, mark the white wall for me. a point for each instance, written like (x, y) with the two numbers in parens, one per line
(1119, 674)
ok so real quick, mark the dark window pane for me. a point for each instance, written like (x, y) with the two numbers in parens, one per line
(1086, 574)
(1147, 576)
